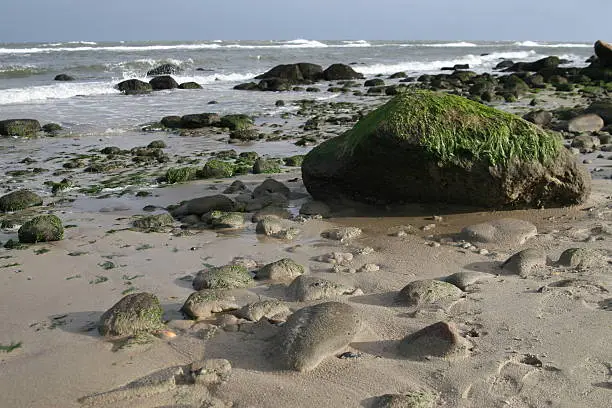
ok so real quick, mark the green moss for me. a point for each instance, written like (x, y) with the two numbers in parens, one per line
(453, 130)
(180, 174)
(225, 277)
(153, 222)
(216, 169)
(135, 313)
(19, 200)
(41, 229)
(294, 161)
(10, 347)
(236, 122)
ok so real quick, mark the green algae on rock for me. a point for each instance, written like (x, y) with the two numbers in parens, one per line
(19, 200)
(19, 127)
(223, 277)
(43, 228)
(426, 146)
(216, 169)
(134, 313)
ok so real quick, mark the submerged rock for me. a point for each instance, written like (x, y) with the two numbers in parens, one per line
(135, 313)
(314, 333)
(134, 87)
(425, 146)
(19, 200)
(63, 77)
(43, 228)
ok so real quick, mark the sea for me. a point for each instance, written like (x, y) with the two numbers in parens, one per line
(91, 105)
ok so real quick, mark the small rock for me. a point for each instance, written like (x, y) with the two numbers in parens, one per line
(283, 270)
(409, 400)
(343, 234)
(369, 267)
(205, 302)
(582, 258)
(339, 258)
(522, 263)
(306, 288)
(270, 309)
(441, 339)
(43, 228)
(505, 232)
(133, 314)
(428, 291)
(223, 277)
(466, 278)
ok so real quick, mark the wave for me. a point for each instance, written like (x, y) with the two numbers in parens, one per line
(56, 91)
(475, 62)
(58, 44)
(20, 71)
(551, 45)
(357, 43)
(458, 44)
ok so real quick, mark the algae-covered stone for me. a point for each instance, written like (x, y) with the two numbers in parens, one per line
(43, 228)
(223, 277)
(153, 222)
(134, 87)
(19, 200)
(284, 269)
(428, 291)
(236, 122)
(205, 302)
(408, 400)
(306, 288)
(424, 146)
(314, 333)
(233, 220)
(294, 161)
(135, 313)
(266, 166)
(180, 174)
(269, 308)
(19, 127)
(216, 169)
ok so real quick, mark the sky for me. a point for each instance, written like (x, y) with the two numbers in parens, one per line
(155, 20)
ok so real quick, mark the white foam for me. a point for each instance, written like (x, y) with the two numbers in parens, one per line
(459, 44)
(214, 78)
(357, 43)
(553, 45)
(55, 91)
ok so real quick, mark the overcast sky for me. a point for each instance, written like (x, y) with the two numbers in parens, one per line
(114, 20)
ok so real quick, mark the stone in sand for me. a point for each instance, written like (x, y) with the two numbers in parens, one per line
(283, 270)
(153, 222)
(425, 146)
(306, 288)
(203, 205)
(586, 142)
(505, 232)
(466, 278)
(135, 313)
(588, 122)
(441, 339)
(43, 228)
(205, 302)
(269, 308)
(19, 200)
(524, 262)
(342, 234)
(236, 187)
(271, 186)
(229, 220)
(582, 258)
(408, 400)
(223, 277)
(315, 208)
(428, 291)
(269, 225)
(314, 333)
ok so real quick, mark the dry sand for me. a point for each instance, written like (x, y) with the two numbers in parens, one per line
(530, 347)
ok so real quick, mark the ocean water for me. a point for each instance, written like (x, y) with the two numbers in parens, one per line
(91, 104)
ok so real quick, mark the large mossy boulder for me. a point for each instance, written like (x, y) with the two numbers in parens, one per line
(43, 228)
(134, 87)
(424, 146)
(19, 127)
(19, 200)
(135, 313)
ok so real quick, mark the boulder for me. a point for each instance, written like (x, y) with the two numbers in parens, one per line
(602, 108)
(314, 333)
(223, 277)
(441, 339)
(63, 77)
(603, 50)
(306, 288)
(271, 186)
(582, 258)
(505, 232)
(524, 262)
(236, 122)
(203, 205)
(294, 73)
(544, 63)
(134, 87)
(172, 122)
(275, 85)
(266, 166)
(588, 122)
(339, 72)
(504, 64)
(133, 314)
(428, 291)
(19, 200)
(539, 117)
(270, 309)
(43, 228)
(153, 222)
(585, 142)
(284, 270)
(205, 302)
(424, 146)
(164, 69)
(163, 82)
(19, 127)
(216, 169)
(190, 85)
(374, 82)
(199, 120)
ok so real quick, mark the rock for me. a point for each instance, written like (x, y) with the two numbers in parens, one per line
(203, 205)
(398, 75)
(374, 82)
(603, 50)
(283, 270)
(504, 64)
(314, 333)
(270, 309)
(409, 151)
(163, 82)
(190, 85)
(266, 166)
(236, 122)
(164, 69)
(409, 400)
(539, 117)
(51, 128)
(306, 288)
(19, 127)
(522, 263)
(236, 187)
(210, 372)
(223, 277)
(295, 73)
(216, 169)
(337, 258)
(603, 109)
(339, 72)
(275, 200)
(270, 226)
(585, 142)
(315, 208)
(294, 161)
(441, 339)
(466, 278)
(589, 122)
(153, 222)
(199, 120)
(133, 314)
(19, 200)
(544, 63)
(204, 303)
(504, 232)
(342, 234)
(582, 258)
(43, 228)
(157, 144)
(229, 220)
(271, 186)
(63, 77)
(134, 87)
(171, 122)
(428, 291)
